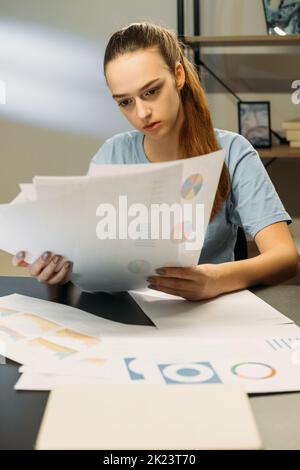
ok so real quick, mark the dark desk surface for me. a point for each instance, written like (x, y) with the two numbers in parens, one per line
(277, 415)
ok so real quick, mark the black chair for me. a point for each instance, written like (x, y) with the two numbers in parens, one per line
(241, 247)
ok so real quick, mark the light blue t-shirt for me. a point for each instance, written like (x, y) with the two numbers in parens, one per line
(253, 202)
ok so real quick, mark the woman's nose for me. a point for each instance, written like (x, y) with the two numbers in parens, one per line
(142, 110)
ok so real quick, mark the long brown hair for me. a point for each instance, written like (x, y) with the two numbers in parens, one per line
(197, 136)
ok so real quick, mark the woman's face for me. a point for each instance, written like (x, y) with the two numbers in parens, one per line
(146, 92)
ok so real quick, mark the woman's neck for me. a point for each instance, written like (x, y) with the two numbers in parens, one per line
(167, 148)
(161, 151)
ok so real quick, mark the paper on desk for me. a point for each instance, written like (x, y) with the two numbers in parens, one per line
(149, 341)
(27, 193)
(68, 206)
(38, 332)
(269, 363)
(31, 380)
(152, 342)
(151, 417)
(285, 380)
(228, 311)
(226, 316)
(57, 341)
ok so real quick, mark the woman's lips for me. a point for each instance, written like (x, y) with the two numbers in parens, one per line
(152, 126)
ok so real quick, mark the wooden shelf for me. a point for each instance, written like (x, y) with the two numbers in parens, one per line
(279, 151)
(264, 40)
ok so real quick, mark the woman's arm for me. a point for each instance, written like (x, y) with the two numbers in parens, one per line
(276, 263)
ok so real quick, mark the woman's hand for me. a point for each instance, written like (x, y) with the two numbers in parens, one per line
(49, 268)
(195, 283)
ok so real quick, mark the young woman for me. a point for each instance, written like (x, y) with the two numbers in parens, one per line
(159, 92)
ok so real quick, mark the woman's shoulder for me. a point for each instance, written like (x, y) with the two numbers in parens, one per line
(120, 148)
(237, 148)
(230, 140)
(124, 138)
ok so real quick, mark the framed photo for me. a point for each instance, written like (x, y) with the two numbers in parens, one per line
(254, 122)
(282, 16)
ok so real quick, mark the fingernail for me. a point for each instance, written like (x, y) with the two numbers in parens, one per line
(160, 271)
(45, 255)
(20, 255)
(56, 259)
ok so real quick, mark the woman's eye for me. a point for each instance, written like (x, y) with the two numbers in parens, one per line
(152, 92)
(124, 103)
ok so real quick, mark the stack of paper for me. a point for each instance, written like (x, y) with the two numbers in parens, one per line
(103, 222)
(233, 339)
(292, 129)
(52, 337)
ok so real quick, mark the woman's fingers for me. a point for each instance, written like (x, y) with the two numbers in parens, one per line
(18, 259)
(50, 268)
(184, 273)
(171, 283)
(37, 267)
(63, 275)
(44, 272)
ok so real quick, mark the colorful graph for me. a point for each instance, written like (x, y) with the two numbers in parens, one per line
(30, 324)
(253, 370)
(139, 266)
(133, 368)
(6, 312)
(95, 361)
(191, 186)
(9, 334)
(278, 344)
(61, 352)
(189, 373)
(74, 339)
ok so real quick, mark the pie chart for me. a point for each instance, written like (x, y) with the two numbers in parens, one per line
(191, 186)
(139, 266)
(253, 370)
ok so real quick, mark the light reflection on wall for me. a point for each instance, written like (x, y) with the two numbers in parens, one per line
(55, 80)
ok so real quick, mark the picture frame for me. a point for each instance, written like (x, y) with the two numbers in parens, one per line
(282, 16)
(255, 122)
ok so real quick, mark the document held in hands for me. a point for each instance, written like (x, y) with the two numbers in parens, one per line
(118, 224)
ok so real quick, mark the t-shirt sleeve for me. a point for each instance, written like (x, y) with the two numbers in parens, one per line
(102, 157)
(255, 203)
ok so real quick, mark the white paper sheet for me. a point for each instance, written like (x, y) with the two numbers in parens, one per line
(267, 364)
(226, 312)
(234, 339)
(37, 332)
(63, 219)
